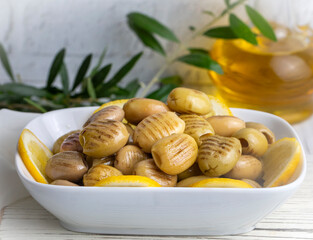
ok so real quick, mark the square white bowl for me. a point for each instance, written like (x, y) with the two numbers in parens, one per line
(155, 211)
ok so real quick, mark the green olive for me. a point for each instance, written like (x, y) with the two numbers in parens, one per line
(194, 170)
(226, 126)
(63, 183)
(98, 173)
(270, 136)
(59, 141)
(108, 113)
(191, 180)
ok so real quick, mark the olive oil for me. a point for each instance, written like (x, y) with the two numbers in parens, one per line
(276, 77)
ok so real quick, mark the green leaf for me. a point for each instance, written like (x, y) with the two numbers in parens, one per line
(24, 90)
(132, 88)
(198, 50)
(231, 6)
(162, 93)
(241, 30)
(91, 89)
(100, 76)
(221, 32)
(202, 61)
(210, 13)
(227, 3)
(101, 58)
(36, 105)
(82, 71)
(64, 79)
(172, 80)
(260, 22)
(121, 73)
(55, 67)
(5, 63)
(147, 39)
(151, 25)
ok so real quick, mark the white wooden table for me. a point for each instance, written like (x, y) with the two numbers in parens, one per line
(26, 219)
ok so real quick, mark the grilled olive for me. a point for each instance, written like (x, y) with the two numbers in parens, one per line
(71, 143)
(194, 170)
(103, 138)
(69, 166)
(191, 180)
(147, 168)
(155, 127)
(127, 157)
(246, 167)
(196, 126)
(253, 142)
(108, 113)
(59, 141)
(218, 155)
(64, 183)
(226, 126)
(270, 136)
(186, 100)
(109, 160)
(99, 172)
(175, 153)
(136, 109)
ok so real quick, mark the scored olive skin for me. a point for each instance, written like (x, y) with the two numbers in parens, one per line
(175, 153)
(194, 170)
(270, 136)
(109, 113)
(148, 168)
(247, 167)
(218, 155)
(186, 100)
(64, 183)
(127, 157)
(196, 126)
(69, 166)
(98, 173)
(136, 109)
(253, 142)
(226, 126)
(59, 141)
(103, 138)
(191, 180)
(156, 127)
(71, 143)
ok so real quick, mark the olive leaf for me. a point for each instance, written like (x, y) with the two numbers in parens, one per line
(210, 13)
(82, 72)
(34, 104)
(64, 79)
(221, 32)
(23, 90)
(202, 61)
(241, 30)
(132, 87)
(5, 63)
(259, 21)
(55, 67)
(101, 58)
(91, 89)
(162, 93)
(101, 75)
(151, 25)
(198, 50)
(172, 80)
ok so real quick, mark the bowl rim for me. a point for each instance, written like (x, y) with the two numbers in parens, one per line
(292, 185)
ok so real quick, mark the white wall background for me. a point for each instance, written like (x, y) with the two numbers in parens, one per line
(32, 31)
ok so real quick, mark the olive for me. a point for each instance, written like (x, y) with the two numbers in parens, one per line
(103, 138)
(69, 166)
(246, 167)
(147, 168)
(270, 136)
(194, 170)
(226, 126)
(127, 157)
(71, 143)
(63, 183)
(156, 127)
(136, 109)
(105, 160)
(191, 180)
(175, 153)
(108, 113)
(130, 131)
(59, 141)
(218, 155)
(186, 100)
(98, 173)
(196, 126)
(253, 142)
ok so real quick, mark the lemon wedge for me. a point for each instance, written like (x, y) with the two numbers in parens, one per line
(127, 181)
(34, 155)
(221, 183)
(280, 161)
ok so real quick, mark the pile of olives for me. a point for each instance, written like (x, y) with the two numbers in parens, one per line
(175, 144)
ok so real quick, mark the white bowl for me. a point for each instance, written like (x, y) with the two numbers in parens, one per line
(155, 211)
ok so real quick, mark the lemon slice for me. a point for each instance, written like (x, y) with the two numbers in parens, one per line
(127, 181)
(34, 154)
(219, 108)
(221, 183)
(120, 103)
(280, 161)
